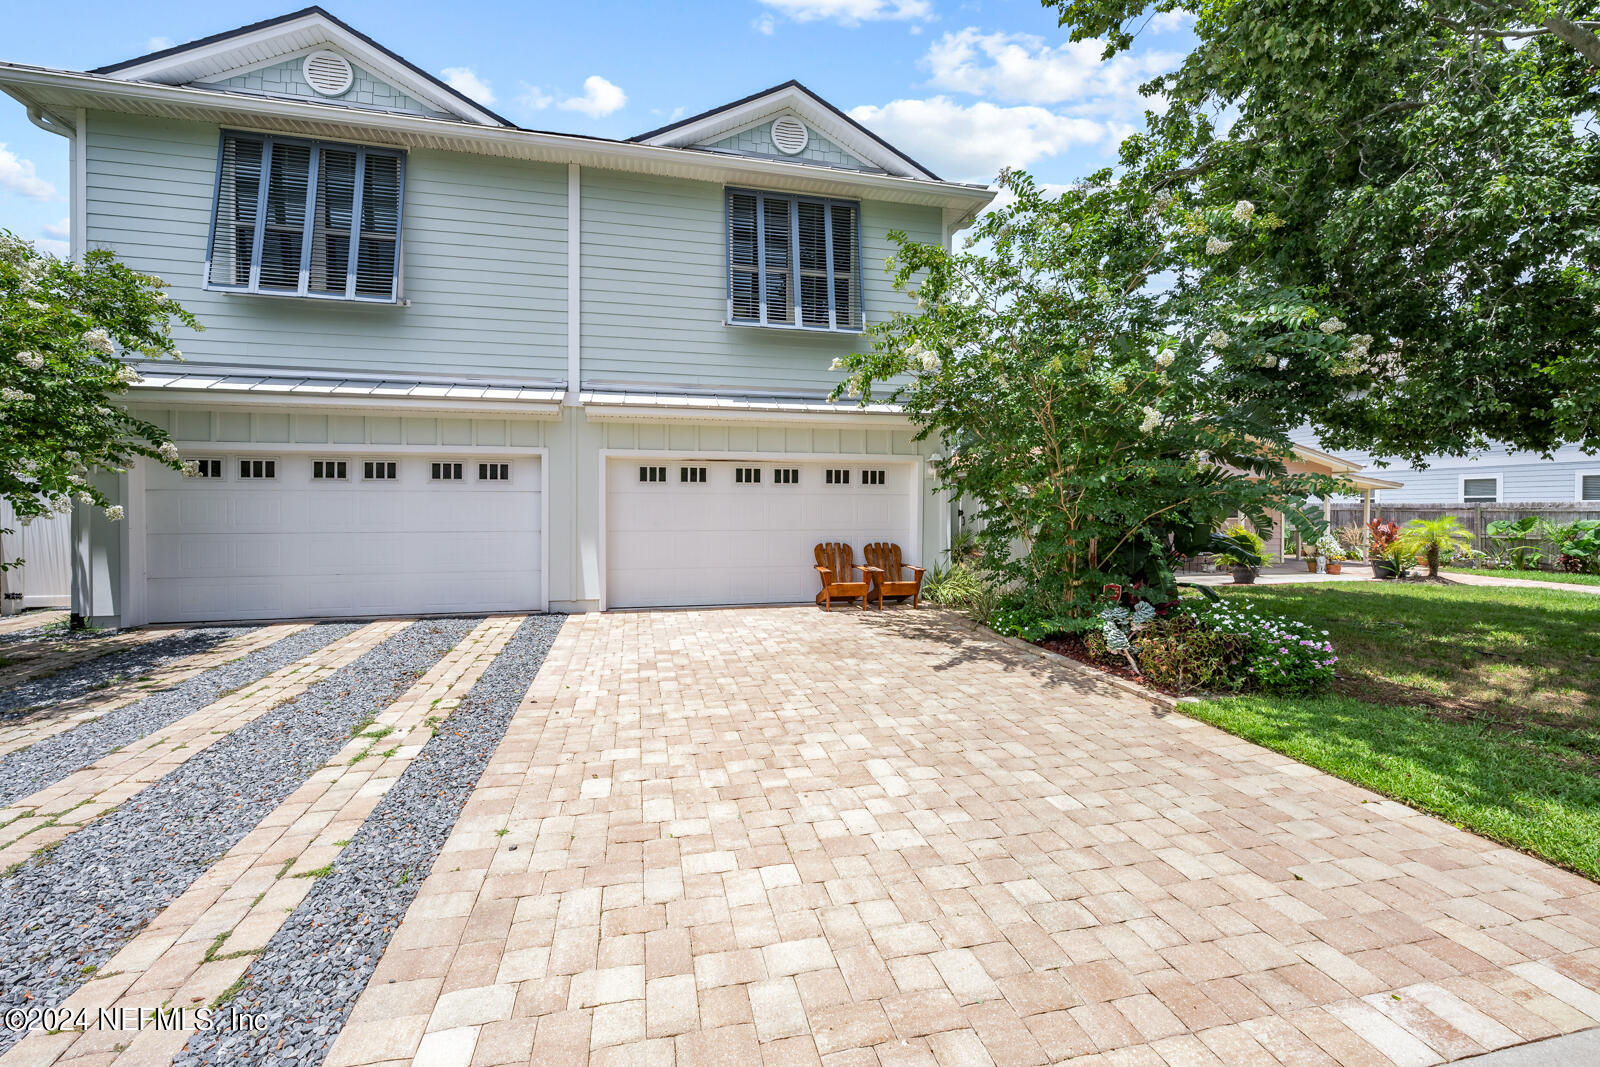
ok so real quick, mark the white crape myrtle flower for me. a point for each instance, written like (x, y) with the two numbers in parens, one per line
(85, 498)
(61, 505)
(1243, 211)
(129, 375)
(71, 456)
(1152, 419)
(837, 364)
(1216, 246)
(169, 452)
(1331, 326)
(1219, 340)
(99, 338)
(114, 513)
(1283, 362)
(162, 298)
(24, 520)
(1165, 358)
(14, 396)
(930, 362)
(34, 305)
(31, 360)
(191, 468)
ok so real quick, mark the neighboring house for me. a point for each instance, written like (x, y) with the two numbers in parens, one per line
(1493, 476)
(454, 365)
(44, 579)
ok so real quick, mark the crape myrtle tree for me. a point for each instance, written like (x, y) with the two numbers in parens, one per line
(1101, 396)
(1436, 165)
(65, 329)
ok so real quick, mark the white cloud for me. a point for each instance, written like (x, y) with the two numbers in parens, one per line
(18, 176)
(533, 98)
(156, 44)
(851, 12)
(600, 98)
(1026, 68)
(972, 142)
(1167, 21)
(55, 248)
(465, 80)
(765, 24)
(61, 230)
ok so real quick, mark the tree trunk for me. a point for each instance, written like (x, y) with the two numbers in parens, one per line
(1433, 561)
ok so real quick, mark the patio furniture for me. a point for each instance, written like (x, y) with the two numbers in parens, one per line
(885, 557)
(836, 566)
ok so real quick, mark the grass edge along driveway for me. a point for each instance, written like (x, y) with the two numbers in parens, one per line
(1477, 704)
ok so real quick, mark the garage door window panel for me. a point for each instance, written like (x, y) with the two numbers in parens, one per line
(258, 469)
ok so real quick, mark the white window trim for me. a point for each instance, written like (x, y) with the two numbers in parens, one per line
(1577, 484)
(1499, 488)
(469, 470)
(479, 479)
(311, 470)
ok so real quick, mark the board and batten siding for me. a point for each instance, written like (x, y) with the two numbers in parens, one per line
(484, 248)
(654, 291)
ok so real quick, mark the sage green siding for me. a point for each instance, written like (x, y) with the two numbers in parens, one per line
(757, 141)
(654, 266)
(484, 247)
(366, 89)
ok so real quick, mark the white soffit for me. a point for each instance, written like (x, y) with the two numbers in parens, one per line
(217, 58)
(632, 406)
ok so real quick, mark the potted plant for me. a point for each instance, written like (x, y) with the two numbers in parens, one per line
(1241, 549)
(1328, 550)
(1380, 538)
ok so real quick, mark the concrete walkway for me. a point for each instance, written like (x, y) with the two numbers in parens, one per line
(1468, 578)
(786, 837)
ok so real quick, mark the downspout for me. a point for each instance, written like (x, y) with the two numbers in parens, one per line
(48, 124)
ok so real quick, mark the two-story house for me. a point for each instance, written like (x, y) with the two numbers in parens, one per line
(450, 364)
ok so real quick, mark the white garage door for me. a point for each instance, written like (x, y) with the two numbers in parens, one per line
(302, 536)
(696, 531)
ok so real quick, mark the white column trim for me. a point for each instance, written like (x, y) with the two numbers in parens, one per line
(79, 162)
(574, 284)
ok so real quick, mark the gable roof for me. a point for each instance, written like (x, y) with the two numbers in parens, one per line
(790, 96)
(285, 35)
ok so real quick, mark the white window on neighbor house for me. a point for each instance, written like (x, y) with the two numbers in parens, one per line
(494, 472)
(259, 469)
(379, 470)
(306, 218)
(793, 261)
(1588, 485)
(1480, 489)
(330, 470)
(444, 472)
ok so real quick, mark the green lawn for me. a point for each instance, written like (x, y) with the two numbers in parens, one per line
(1479, 704)
(1531, 576)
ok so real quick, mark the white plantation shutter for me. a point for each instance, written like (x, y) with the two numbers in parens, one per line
(308, 218)
(380, 226)
(793, 261)
(330, 224)
(233, 225)
(744, 268)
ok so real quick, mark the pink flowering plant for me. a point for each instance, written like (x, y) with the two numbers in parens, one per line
(1284, 656)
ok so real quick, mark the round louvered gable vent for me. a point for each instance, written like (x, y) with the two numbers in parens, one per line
(328, 73)
(790, 135)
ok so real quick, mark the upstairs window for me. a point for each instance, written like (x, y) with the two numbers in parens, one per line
(306, 218)
(793, 261)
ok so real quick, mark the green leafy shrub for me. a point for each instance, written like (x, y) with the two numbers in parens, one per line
(1247, 547)
(1179, 654)
(1285, 655)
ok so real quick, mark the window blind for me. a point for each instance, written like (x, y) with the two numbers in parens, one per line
(1480, 490)
(793, 261)
(306, 217)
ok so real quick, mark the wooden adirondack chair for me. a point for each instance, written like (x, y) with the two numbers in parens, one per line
(837, 568)
(885, 557)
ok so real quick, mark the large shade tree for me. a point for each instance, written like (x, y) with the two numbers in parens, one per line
(1436, 164)
(1102, 397)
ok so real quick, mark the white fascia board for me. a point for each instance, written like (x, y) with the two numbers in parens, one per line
(751, 112)
(262, 398)
(696, 413)
(57, 89)
(222, 58)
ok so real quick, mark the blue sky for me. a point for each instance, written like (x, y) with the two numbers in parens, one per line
(964, 87)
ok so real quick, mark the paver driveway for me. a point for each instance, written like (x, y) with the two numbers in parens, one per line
(773, 836)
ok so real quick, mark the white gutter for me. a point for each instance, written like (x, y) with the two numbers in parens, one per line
(36, 86)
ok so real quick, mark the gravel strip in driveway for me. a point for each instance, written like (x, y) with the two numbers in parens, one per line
(74, 906)
(311, 972)
(74, 682)
(47, 761)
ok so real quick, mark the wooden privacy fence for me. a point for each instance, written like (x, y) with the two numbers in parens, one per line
(1475, 517)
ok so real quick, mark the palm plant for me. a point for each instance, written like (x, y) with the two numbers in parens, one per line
(1434, 538)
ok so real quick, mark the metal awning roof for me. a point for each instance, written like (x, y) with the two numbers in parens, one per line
(348, 390)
